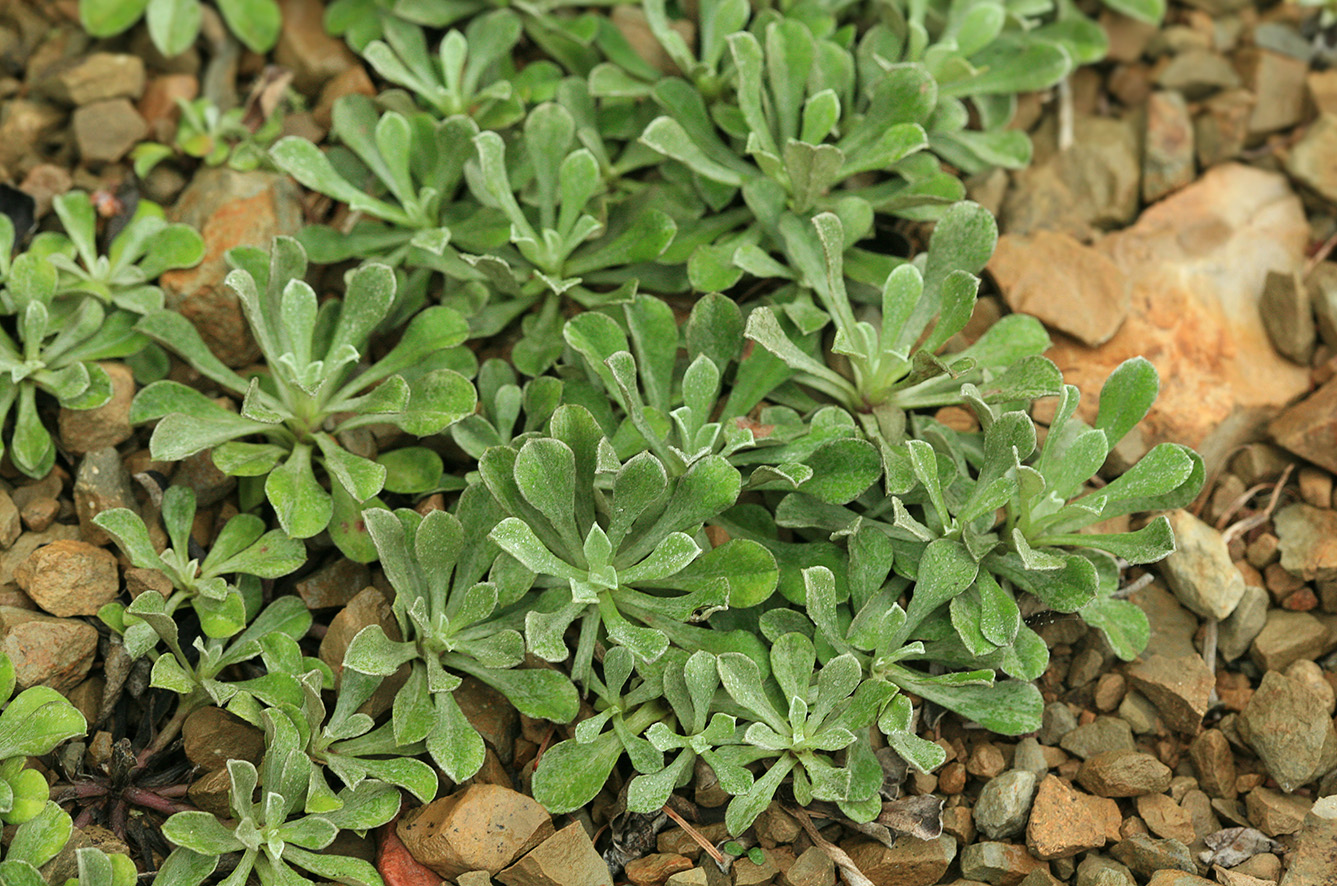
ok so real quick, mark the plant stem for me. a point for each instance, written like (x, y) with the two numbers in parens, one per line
(184, 709)
(150, 800)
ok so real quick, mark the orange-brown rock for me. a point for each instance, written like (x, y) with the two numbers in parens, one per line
(1062, 822)
(1196, 263)
(68, 578)
(229, 209)
(481, 828)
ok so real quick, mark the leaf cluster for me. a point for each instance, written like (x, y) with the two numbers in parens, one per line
(317, 390)
(215, 136)
(272, 828)
(174, 25)
(700, 501)
(52, 345)
(32, 723)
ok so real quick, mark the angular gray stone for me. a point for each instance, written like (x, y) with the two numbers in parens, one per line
(1322, 283)
(92, 77)
(1004, 804)
(1310, 161)
(1198, 73)
(106, 131)
(1307, 539)
(1200, 571)
(1028, 756)
(1244, 624)
(1056, 721)
(1124, 774)
(1287, 637)
(1139, 713)
(1180, 688)
(1097, 737)
(1286, 725)
(101, 484)
(229, 209)
(1097, 870)
(1093, 184)
(1315, 856)
(1287, 316)
(999, 864)
(1172, 625)
(1145, 855)
(1167, 159)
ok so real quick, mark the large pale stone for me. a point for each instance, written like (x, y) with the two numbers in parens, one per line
(1070, 286)
(1196, 263)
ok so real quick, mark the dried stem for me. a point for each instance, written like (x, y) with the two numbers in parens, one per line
(1134, 586)
(1239, 528)
(1321, 255)
(848, 869)
(696, 836)
(1065, 134)
(1209, 654)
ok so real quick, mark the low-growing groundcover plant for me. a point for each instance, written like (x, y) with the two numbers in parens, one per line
(612, 376)
(316, 390)
(53, 348)
(242, 548)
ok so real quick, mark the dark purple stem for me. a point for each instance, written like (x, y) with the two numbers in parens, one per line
(81, 791)
(152, 800)
(85, 818)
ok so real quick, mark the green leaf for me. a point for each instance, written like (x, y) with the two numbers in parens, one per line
(571, 774)
(536, 692)
(35, 721)
(1152, 542)
(174, 332)
(963, 240)
(1151, 12)
(748, 570)
(1124, 624)
(361, 477)
(302, 506)
(1126, 397)
(742, 679)
(369, 805)
(107, 18)
(372, 652)
(714, 330)
(237, 459)
(39, 839)
(31, 447)
(1009, 707)
(131, 535)
(645, 239)
(667, 136)
(273, 555)
(173, 24)
(1012, 65)
(437, 400)
(744, 809)
(413, 470)
(842, 470)
(945, 570)
(200, 832)
(187, 868)
(255, 22)
(336, 868)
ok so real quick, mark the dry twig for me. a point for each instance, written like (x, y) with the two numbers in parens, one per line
(1240, 527)
(696, 836)
(848, 869)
